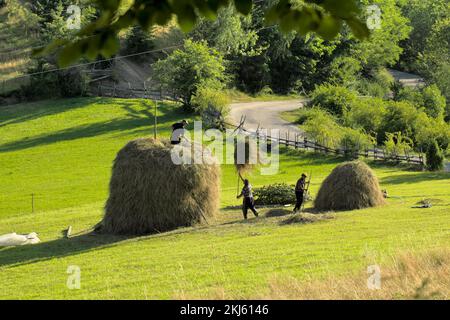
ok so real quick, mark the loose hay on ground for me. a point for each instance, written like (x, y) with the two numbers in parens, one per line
(303, 218)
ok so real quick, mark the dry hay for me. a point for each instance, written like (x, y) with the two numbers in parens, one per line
(245, 154)
(304, 218)
(277, 213)
(351, 185)
(149, 193)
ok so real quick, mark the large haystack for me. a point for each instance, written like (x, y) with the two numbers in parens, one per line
(149, 193)
(351, 185)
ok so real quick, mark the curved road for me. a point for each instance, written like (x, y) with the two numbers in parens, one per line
(266, 114)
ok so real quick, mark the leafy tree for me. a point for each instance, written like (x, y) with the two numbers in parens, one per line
(322, 17)
(383, 47)
(230, 33)
(399, 117)
(335, 99)
(422, 14)
(138, 40)
(435, 157)
(433, 101)
(185, 70)
(434, 64)
(366, 114)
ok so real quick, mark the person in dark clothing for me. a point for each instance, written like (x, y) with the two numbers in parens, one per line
(248, 202)
(299, 191)
(178, 131)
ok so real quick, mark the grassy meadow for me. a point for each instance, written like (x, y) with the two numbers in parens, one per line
(61, 151)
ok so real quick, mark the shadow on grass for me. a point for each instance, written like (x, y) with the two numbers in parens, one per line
(58, 248)
(135, 119)
(415, 178)
(26, 112)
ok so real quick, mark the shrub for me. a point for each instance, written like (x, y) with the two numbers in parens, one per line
(378, 85)
(212, 105)
(344, 71)
(354, 140)
(64, 83)
(280, 193)
(138, 40)
(306, 114)
(335, 99)
(323, 129)
(366, 114)
(429, 130)
(399, 117)
(433, 101)
(435, 157)
(397, 144)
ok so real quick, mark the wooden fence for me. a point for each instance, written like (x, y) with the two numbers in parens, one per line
(302, 142)
(132, 91)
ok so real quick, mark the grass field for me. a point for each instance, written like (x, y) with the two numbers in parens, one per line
(62, 151)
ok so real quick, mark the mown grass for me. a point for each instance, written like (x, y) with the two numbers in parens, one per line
(62, 151)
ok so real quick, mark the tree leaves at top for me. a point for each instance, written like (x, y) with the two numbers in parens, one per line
(325, 17)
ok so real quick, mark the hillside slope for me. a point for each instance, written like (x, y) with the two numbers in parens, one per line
(62, 152)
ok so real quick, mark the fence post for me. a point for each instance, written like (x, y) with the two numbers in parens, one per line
(156, 119)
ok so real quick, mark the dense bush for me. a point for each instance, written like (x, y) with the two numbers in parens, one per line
(323, 129)
(435, 157)
(353, 140)
(428, 98)
(429, 130)
(366, 114)
(138, 40)
(306, 114)
(378, 84)
(399, 117)
(397, 144)
(344, 71)
(279, 193)
(212, 105)
(433, 101)
(64, 83)
(335, 99)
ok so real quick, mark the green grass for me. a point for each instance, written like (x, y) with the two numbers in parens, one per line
(62, 152)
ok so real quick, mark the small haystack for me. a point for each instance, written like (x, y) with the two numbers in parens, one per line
(149, 193)
(351, 185)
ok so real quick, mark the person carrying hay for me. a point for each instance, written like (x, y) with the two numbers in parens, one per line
(178, 129)
(248, 201)
(299, 192)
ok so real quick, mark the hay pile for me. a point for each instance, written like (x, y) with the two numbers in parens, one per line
(351, 185)
(149, 193)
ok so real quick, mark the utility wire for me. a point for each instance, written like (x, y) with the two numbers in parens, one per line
(97, 61)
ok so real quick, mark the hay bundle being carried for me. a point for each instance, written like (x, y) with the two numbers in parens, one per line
(149, 193)
(245, 153)
(351, 185)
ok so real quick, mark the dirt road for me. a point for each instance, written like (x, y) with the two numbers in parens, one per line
(266, 114)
